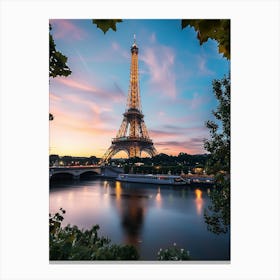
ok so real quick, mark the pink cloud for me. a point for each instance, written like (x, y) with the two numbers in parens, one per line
(114, 52)
(66, 29)
(81, 108)
(114, 95)
(193, 102)
(76, 84)
(170, 120)
(202, 66)
(102, 115)
(153, 38)
(74, 133)
(66, 121)
(198, 100)
(54, 97)
(163, 133)
(83, 118)
(190, 146)
(174, 133)
(173, 138)
(115, 46)
(160, 62)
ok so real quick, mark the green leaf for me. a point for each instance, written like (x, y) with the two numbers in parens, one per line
(106, 24)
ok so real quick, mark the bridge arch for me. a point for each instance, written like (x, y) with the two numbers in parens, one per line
(62, 176)
(88, 174)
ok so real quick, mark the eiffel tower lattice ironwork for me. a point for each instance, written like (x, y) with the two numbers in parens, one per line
(132, 137)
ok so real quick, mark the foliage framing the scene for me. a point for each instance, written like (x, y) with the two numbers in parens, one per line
(173, 254)
(106, 24)
(216, 29)
(71, 243)
(57, 61)
(217, 216)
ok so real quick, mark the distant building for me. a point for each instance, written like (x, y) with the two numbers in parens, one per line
(198, 170)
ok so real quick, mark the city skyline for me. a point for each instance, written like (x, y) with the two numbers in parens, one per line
(175, 75)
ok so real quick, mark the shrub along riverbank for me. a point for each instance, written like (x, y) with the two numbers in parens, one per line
(72, 243)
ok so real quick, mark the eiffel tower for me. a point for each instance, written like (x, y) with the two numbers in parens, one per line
(132, 137)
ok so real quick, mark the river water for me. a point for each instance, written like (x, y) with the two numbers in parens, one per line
(148, 216)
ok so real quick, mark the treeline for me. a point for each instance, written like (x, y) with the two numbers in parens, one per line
(164, 161)
(72, 161)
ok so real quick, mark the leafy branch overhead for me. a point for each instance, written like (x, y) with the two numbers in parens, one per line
(106, 24)
(57, 61)
(218, 30)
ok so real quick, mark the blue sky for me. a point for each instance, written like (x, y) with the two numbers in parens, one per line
(175, 73)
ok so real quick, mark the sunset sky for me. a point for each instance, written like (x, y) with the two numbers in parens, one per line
(176, 76)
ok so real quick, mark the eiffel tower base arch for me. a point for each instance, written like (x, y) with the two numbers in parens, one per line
(133, 148)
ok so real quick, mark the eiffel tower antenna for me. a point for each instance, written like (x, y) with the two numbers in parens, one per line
(132, 136)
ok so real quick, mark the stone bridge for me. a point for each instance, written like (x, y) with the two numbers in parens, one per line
(78, 171)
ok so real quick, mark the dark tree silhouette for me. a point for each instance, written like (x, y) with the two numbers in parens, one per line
(217, 216)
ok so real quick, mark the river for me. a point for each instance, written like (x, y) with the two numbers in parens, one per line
(148, 216)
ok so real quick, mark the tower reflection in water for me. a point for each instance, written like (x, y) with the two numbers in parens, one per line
(132, 212)
(131, 204)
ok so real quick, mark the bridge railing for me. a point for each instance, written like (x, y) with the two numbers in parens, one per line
(76, 166)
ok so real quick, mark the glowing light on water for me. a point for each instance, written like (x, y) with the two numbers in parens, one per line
(198, 201)
(118, 190)
(158, 198)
